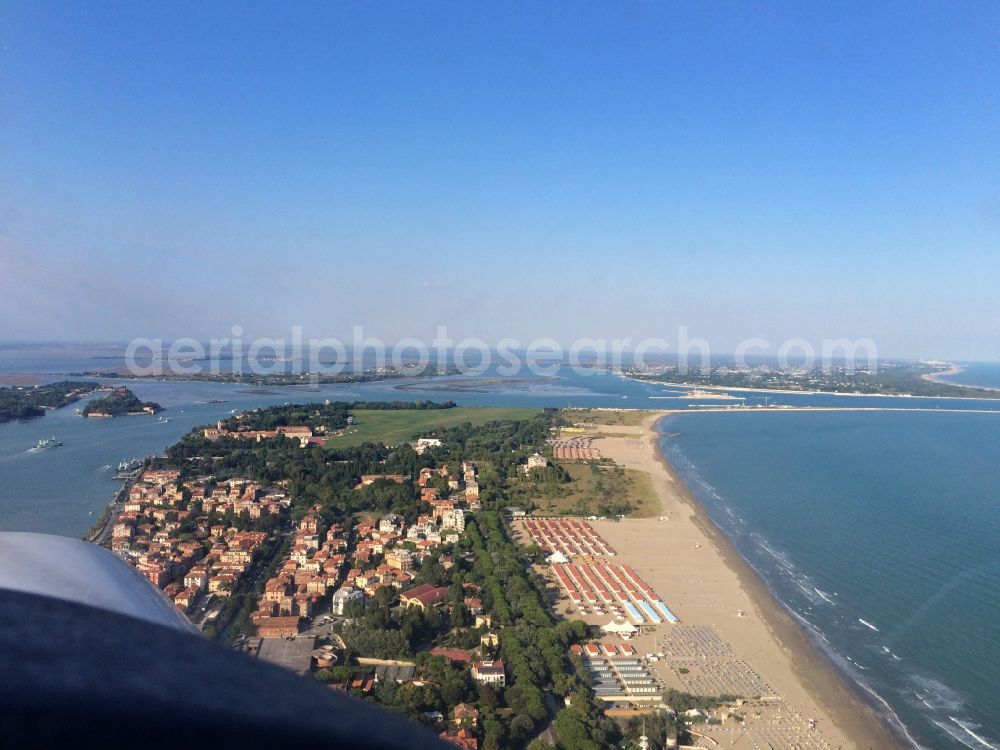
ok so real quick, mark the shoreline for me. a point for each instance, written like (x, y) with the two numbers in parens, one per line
(939, 377)
(791, 392)
(769, 636)
(834, 691)
(782, 409)
(100, 531)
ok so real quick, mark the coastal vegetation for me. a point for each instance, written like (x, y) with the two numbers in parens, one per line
(330, 415)
(393, 427)
(585, 489)
(119, 403)
(890, 378)
(329, 475)
(350, 424)
(547, 695)
(29, 402)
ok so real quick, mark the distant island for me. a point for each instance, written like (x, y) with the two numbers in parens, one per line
(895, 378)
(121, 402)
(31, 402)
(282, 379)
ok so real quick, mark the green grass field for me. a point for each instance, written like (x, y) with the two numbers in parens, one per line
(394, 427)
(636, 488)
(626, 417)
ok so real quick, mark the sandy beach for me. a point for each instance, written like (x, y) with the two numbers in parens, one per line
(734, 635)
(939, 377)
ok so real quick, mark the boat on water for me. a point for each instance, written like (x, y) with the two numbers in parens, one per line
(47, 443)
(127, 467)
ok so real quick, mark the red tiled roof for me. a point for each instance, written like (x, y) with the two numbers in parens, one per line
(453, 654)
(426, 594)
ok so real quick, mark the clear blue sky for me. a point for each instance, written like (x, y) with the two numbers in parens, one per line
(515, 169)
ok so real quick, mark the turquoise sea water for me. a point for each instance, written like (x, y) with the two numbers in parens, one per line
(982, 374)
(885, 516)
(881, 532)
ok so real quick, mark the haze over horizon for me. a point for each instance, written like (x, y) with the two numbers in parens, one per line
(524, 171)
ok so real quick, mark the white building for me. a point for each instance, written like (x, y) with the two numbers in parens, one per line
(425, 443)
(391, 523)
(454, 519)
(536, 461)
(343, 597)
(489, 672)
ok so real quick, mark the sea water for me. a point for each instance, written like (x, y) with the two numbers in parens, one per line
(881, 532)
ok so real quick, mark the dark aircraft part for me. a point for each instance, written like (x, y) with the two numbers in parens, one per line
(75, 675)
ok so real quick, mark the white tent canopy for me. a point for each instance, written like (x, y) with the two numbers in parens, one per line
(619, 627)
(557, 558)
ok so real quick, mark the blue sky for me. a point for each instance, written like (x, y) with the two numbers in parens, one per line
(515, 169)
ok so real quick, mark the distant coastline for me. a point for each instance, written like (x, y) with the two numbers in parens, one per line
(27, 402)
(952, 370)
(790, 391)
(275, 379)
(942, 377)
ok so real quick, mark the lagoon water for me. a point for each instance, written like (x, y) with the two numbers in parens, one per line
(891, 517)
